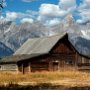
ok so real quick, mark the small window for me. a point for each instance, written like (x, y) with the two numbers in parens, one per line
(56, 61)
(69, 61)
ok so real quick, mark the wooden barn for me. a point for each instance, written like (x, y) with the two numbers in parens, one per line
(55, 53)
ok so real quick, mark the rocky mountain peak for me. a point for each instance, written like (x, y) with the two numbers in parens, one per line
(69, 21)
(13, 36)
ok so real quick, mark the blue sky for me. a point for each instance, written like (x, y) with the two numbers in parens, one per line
(22, 6)
(46, 11)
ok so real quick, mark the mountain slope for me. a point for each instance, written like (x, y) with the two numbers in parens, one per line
(13, 36)
(4, 50)
(17, 35)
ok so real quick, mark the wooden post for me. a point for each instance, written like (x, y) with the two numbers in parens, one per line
(29, 67)
(49, 66)
(76, 61)
(17, 68)
(22, 68)
(59, 66)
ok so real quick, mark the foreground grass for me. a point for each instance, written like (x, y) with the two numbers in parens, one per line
(64, 78)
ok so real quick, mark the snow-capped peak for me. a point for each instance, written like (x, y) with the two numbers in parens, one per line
(86, 34)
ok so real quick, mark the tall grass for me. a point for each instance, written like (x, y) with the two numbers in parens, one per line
(40, 77)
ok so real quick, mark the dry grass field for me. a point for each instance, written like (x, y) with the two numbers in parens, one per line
(62, 78)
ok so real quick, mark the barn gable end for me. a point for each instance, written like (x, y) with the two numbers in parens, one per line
(63, 46)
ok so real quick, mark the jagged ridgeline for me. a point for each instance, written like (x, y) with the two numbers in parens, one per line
(13, 36)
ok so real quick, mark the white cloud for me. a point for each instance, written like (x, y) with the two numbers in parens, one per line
(30, 20)
(11, 16)
(50, 13)
(84, 10)
(23, 15)
(85, 4)
(85, 16)
(53, 22)
(50, 10)
(1, 17)
(80, 21)
(32, 12)
(47, 11)
(69, 5)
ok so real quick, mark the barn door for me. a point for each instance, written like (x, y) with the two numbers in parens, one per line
(55, 66)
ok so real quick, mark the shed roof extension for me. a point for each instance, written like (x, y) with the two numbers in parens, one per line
(15, 58)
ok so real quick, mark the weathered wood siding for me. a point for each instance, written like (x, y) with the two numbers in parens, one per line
(63, 47)
(83, 63)
(8, 67)
(39, 66)
(63, 56)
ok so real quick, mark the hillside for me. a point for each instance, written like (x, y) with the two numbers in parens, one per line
(4, 50)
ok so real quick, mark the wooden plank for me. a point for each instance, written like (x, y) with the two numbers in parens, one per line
(9, 67)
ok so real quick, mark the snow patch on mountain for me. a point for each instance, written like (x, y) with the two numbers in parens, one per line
(86, 34)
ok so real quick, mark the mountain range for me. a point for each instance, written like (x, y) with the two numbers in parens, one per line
(12, 36)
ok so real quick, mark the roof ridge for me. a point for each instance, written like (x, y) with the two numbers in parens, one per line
(48, 36)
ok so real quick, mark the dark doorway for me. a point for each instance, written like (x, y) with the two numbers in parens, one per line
(55, 66)
(25, 67)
